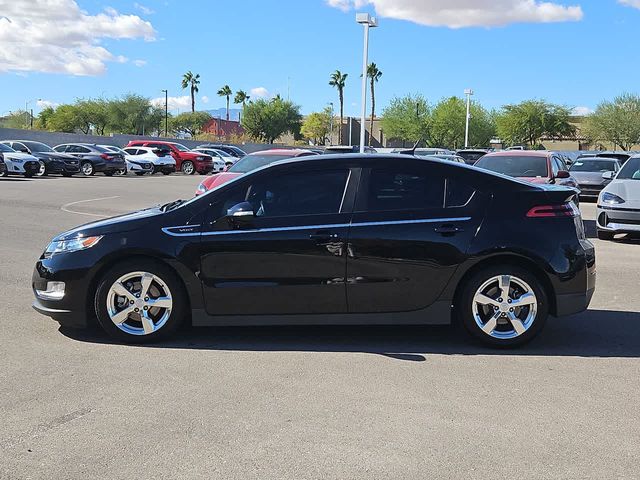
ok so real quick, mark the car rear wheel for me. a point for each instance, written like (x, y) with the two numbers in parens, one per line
(87, 169)
(140, 302)
(188, 168)
(42, 171)
(503, 306)
(604, 235)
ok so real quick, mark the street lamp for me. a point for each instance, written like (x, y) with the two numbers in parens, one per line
(166, 113)
(368, 22)
(331, 125)
(468, 92)
(29, 117)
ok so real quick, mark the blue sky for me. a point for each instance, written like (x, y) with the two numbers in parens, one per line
(269, 44)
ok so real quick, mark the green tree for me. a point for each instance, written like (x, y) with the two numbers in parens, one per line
(134, 115)
(448, 124)
(192, 82)
(532, 120)
(339, 81)
(17, 119)
(189, 122)
(316, 126)
(66, 118)
(407, 118)
(226, 92)
(616, 121)
(374, 74)
(267, 120)
(44, 117)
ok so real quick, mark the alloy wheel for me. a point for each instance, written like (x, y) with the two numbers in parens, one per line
(42, 170)
(87, 169)
(139, 303)
(188, 168)
(505, 307)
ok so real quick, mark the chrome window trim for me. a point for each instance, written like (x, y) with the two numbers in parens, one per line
(168, 230)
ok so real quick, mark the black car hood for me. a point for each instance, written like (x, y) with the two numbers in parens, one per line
(53, 156)
(119, 224)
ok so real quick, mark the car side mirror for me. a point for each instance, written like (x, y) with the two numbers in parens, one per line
(241, 215)
(609, 175)
(563, 174)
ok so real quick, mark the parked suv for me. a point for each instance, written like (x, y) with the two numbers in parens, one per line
(187, 161)
(162, 160)
(94, 158)
(50, 160)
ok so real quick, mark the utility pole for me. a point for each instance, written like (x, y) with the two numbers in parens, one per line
(166, 113)
(468, 92)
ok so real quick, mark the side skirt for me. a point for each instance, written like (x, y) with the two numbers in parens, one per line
(437, 314)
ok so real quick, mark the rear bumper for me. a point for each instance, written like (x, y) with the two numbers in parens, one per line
(573, 303)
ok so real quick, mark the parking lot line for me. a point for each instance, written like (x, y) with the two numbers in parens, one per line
(65, 207)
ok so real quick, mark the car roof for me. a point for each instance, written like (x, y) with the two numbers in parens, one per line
(519, 153)
(285, 151)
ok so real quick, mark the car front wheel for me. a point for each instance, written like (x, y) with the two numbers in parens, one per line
(503, 306)
(87, 169)
(188, 168)
(140, 302)
(42, 171)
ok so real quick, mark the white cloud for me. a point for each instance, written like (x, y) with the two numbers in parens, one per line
(144, 9)
(46, 104)
(174, 103)
(582, 111)
(468, 13)
(259, 92)
(205, 99)
(56, 36)
(139, 63)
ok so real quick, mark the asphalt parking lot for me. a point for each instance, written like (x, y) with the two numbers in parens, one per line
(297, 403)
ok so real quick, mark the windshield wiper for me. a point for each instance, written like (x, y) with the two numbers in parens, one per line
(171, 205)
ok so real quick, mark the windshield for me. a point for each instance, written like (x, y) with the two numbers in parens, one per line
(38, 147)
(631, 170)
(222, 153)
(515, 166)
(593, 166)
(251, 162)
(5, 148)
(181, 147)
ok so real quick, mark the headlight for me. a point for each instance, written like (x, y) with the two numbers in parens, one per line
(200, 159)
(73, 245)
(201, 188)
(611, 199)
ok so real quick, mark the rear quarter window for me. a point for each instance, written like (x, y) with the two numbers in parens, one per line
(458, 193)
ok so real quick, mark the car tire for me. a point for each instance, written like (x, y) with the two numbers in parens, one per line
(188, 168)
(604, 235)
(87, 169)
(28, 174)
(109, 173)
(43, 169)
(502, 324)
(123, 284)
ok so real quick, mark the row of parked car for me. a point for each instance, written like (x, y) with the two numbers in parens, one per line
(30, 158)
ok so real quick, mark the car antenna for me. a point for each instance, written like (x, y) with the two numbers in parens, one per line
(413, 150)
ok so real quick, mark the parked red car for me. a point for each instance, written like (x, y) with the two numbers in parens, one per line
(187, 162)
(249, 163)
(535, 166)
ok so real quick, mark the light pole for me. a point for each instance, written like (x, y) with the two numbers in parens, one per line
(166, 113)
(368, 22)
(468, 92)
(331, 125)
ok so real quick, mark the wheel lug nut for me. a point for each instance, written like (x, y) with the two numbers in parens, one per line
(511, 309)
(131, 302)
(137, 310)
(146, 308)
(500, 300)
(146, 299)
(509, 300)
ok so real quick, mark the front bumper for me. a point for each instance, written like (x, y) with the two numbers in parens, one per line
(66, 318)
(618, 219)
(587, 190)
(204, 168)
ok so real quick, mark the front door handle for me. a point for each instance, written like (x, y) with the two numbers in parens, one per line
(448, 229)
(323, 235)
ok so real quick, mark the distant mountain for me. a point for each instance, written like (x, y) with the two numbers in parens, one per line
(234, 113)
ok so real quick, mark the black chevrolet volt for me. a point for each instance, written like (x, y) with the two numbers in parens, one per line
(331, 240)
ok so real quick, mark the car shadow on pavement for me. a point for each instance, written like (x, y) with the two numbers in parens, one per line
(595, 333)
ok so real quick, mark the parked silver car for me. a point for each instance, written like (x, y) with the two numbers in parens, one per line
(588, 173)
(619, 202)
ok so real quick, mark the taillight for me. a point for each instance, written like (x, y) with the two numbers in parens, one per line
(547, 211)
(105, 156)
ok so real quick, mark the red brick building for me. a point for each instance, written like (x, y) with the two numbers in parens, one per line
(223, 128)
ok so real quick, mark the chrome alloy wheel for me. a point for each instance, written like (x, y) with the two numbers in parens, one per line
(87, 168)
(505, 307)
(188, 168)
(139, 303)
(42, 170)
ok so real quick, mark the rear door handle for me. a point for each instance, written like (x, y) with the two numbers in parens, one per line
(448, 229)
(323, 235)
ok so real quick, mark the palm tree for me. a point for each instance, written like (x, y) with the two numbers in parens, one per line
(241, 97)
(192, 81)
(226, 92)
(338, 80)
(374, 75)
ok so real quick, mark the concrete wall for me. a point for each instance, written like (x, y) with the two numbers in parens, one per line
(53, 138)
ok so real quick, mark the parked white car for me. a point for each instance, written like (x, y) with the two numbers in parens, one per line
(18, 163)
(221, 160)
(162, 160)
(134, 164)
(619, 202)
